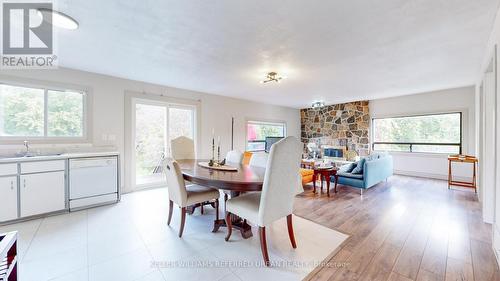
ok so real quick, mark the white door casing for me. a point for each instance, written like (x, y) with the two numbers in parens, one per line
(489, 148)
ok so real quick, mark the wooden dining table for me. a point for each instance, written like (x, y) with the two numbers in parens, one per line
(245, 179)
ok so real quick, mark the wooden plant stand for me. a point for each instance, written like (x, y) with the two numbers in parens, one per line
(465, 159)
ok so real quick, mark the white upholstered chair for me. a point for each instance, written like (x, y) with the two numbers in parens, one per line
(234, 156)
(259, 160)
(281, 183)
(183, 195)
(182, 148)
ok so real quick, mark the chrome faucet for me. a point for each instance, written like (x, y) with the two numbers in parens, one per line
(27, 145)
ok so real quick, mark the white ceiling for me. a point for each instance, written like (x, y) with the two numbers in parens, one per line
(334, 51)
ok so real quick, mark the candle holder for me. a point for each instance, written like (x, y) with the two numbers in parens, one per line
(218, 155)
(211, 162)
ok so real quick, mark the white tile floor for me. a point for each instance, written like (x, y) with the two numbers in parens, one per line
(131, 241)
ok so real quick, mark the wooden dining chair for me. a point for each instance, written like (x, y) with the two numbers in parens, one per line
(183, 195)
(281, 183)
(182, 148)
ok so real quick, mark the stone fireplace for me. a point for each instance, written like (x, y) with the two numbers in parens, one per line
(346, 124)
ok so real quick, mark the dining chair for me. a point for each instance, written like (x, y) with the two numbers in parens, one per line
(234, 156)
(259, 159)
(182, 148)
(183, 195)
(281, 183)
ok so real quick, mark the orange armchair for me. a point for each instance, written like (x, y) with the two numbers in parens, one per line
(307, 175)
(246, 157)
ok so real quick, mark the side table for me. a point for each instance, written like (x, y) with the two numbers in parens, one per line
(325, 174)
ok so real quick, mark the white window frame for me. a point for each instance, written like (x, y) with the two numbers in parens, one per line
(52, 139)
(263, 122)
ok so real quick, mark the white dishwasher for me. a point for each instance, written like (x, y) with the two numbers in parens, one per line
(93, 181)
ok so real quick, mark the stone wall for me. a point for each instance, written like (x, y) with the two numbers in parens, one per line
(346, 124)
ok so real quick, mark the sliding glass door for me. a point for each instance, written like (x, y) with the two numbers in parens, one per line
(155, 124)
(180, 121)
(150, 143)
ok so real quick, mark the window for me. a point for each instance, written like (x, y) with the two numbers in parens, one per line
(438, 133)
(41, 113)
(258, 131)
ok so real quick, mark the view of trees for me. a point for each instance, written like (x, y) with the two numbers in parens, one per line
(151, 135)
(22, 112)
(65, 114)
(180, 122)
(442, 128)
(257, 133)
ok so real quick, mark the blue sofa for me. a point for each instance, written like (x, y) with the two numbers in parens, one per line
(377, 168)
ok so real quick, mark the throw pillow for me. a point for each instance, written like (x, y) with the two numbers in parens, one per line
(359, 167)
(348, 168)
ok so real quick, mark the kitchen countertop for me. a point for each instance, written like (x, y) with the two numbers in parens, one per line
(63, 156)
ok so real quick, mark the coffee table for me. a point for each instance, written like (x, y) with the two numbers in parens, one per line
(325, 174)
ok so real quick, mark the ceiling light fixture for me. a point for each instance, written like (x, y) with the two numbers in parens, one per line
(58, 19)
(272, 77)
(318, 104)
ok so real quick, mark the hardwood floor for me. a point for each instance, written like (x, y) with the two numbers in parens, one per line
(404, 229)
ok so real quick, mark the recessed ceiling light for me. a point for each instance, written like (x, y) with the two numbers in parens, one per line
(58, 19)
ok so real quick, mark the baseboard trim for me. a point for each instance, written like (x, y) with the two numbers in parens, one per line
(429, 175)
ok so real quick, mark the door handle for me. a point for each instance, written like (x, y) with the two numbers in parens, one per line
(12, 185)
(24, 183)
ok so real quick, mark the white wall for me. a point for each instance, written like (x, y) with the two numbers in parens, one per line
(108, 108)
(490, 53)
(452, 100)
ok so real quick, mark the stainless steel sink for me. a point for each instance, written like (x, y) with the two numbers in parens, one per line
(39, 154)
(29, 154)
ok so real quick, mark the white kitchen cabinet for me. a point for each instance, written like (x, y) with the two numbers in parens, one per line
(8, 169)
(42, 166)
(42, 193)
(8, 193)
